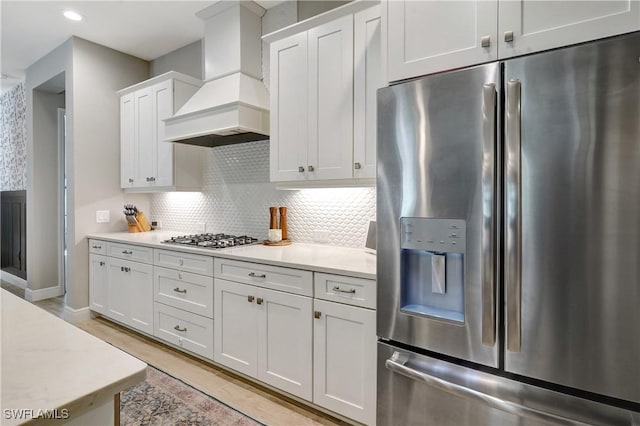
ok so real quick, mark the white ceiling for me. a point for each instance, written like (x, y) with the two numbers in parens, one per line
(146, 29)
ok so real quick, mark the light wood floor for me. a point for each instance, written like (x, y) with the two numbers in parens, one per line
(258, 402)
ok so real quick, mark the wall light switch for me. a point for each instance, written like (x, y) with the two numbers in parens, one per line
(320, 236)
(102, 216)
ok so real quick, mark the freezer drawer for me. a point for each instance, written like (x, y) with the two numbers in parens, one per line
(417, 390)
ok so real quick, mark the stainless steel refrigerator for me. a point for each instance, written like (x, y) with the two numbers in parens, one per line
(509, 241)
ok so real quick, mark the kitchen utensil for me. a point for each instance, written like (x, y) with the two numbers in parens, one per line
(273, 222)
(283, 223)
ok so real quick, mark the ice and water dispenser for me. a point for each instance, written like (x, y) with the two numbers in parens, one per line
(432, 267)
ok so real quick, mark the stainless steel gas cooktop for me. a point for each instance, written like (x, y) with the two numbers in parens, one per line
(212, 241)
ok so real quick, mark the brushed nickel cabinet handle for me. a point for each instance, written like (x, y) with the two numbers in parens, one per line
(485, 41)
(259, 300)
(130, 180)
(254, 275)
(101, 263)
(508, 36)
(179, 290)
(311, 168)
(96, 247)
(357, 166)
(339, 290)
(127, 252)
(300, 169)
(250, 299)
(317, 314)
(177, 328)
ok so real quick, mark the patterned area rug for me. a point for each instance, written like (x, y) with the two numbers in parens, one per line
(164, 400)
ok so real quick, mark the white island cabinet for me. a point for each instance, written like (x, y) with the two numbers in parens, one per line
(53, 368)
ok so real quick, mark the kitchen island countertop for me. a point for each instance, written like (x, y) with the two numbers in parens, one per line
(48, 364)
(354, 262)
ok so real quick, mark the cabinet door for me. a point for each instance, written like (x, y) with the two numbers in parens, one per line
(127, 141)
(424, 37)
(541, 25)
(163, 108)
(368, 78)
(344, 353)
(235, 326)
(144, 135)
(288, 122)
(140, 295)
(118, 291)
(330, 88)
(98, 276)
(284, 342)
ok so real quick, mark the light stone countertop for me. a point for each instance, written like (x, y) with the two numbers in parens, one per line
(48, 364)
(314, 257)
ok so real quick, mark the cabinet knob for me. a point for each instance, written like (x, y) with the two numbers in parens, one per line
(357, 166)
(101, 263)
(300, 169)
(250, 299)
(485, 41)
(311, 169)
(152, 179)
(125, 269)
(147, 178)
(178, 328)
(508, 36)
(317, 314)
(259, 300)
(130, 180)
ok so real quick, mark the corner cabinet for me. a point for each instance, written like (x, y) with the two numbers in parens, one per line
(324, 77)
(147, 162)
(424, 37)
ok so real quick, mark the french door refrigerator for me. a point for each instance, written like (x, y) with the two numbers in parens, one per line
(509, 241)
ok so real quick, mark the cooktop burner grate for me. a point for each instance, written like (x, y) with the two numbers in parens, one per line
(212, 241)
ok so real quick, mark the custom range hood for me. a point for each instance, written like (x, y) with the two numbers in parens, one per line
(233, 104)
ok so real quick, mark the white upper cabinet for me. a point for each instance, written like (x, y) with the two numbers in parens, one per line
(428, 36)
(330, 84)
(148, 163)
(369, 76)
(534, 25)
(424, 37)
(324, 75)
(288, 149)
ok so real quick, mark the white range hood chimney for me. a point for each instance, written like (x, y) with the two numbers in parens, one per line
(233, 104)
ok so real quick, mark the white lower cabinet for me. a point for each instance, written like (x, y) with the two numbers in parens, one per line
(264, 334)
(130, 290)
(98, 275)
(344, 360)
(184, 329)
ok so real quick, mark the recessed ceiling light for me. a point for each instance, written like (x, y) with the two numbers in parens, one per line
(74, 16)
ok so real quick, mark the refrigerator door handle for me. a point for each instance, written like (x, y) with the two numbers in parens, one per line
(513, 255)
(398, 364)
(488, 216)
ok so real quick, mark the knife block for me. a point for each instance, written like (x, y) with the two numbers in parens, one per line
(133, 227)
(143, 222)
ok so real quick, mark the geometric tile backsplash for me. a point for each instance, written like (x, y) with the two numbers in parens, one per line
(236, 196)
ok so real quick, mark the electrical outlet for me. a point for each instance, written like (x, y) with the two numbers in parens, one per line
(201, 227)
(102, 216)
(320, 236)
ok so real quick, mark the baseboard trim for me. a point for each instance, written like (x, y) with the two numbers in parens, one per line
(12, 279)
(43, 293)
(76, 315)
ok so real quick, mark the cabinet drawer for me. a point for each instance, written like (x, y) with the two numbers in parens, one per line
(343, 289)
(274, 277)
(189, 331)
(97, 247)
(183, 290)
(130, 252)
(184, 261)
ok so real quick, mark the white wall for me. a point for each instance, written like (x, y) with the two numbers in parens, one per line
(187, 60)
(94, 154)
(39, 253)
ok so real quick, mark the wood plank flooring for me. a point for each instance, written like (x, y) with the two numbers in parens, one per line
(254, 400)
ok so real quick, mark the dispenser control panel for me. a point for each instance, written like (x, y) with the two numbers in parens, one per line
(435, 235)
